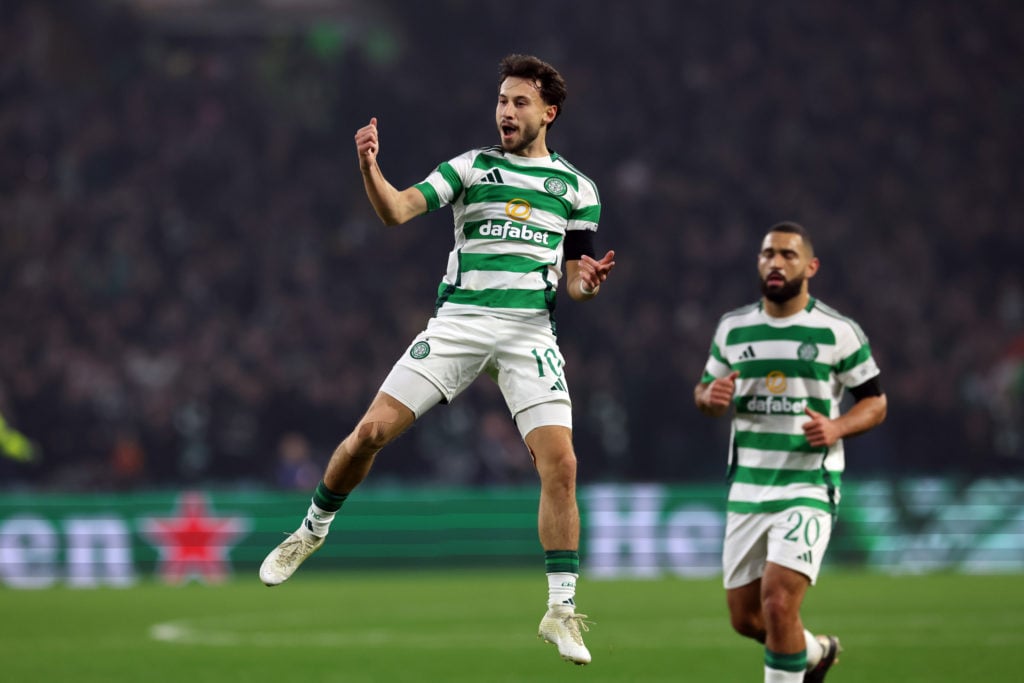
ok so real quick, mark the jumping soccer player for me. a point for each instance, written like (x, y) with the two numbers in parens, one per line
(522, 214)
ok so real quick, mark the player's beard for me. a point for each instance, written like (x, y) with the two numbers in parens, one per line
(527, 135)
(787, 291)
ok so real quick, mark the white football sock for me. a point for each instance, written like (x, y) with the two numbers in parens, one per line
(561, 588)
(318, 520)
(779, 676)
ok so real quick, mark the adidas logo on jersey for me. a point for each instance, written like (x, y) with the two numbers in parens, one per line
(559, 385)
(493, 177)
(748, 353)
(806, 557)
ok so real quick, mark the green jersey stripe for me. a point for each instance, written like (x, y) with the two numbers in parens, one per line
(428, 192)
(771, 506)
(769, 441)
(782, 477)
(500, 262)
(499, 298)
(590, 214)
(451, 176)
(853, 360)
(796, 333)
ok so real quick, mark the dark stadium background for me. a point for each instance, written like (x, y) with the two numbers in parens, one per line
(193, 282)
(197, 301)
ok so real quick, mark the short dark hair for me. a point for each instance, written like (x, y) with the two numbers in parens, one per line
(796, 229)
(552, 86)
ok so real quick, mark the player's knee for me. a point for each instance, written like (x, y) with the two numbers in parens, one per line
(779, 608)
(558, 469)
(369, 438)
(565, 463)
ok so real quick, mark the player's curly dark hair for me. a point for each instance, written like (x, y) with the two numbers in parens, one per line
(552, 86)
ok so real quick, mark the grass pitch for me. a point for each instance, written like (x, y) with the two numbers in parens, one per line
(480, 628)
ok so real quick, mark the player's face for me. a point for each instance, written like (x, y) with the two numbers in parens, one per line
(784, 264)
(521, 116)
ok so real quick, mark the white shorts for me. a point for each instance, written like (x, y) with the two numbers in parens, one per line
(796, 538)
(524, 360)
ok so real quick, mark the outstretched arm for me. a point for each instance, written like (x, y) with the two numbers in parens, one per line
(393, 206)
(583, 276)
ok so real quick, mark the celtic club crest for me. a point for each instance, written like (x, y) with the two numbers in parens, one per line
(807, 351)
(419, 350)
(555, 186)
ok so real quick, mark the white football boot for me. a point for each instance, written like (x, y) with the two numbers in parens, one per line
(283, 560)
(561, 626)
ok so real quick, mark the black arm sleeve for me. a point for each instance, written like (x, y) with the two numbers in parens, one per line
(872, 387)
(578, 243)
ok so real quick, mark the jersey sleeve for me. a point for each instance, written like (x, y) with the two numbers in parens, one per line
(586, 211)
(717, 364)
(855, 363)
(446, 182)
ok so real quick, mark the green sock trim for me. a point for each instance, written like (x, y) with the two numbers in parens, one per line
(793, 662)
(326, 499)
(562, 561)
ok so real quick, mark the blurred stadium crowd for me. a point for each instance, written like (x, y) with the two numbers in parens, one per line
(195, 289)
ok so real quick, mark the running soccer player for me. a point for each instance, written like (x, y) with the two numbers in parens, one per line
(782, 365)
(522, 214)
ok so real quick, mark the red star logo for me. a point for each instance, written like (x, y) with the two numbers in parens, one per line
(193, 543)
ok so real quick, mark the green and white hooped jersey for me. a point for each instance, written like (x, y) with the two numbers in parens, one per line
(786, 365)
(511, 216)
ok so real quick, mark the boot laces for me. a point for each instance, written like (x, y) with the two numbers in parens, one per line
(574, 623)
